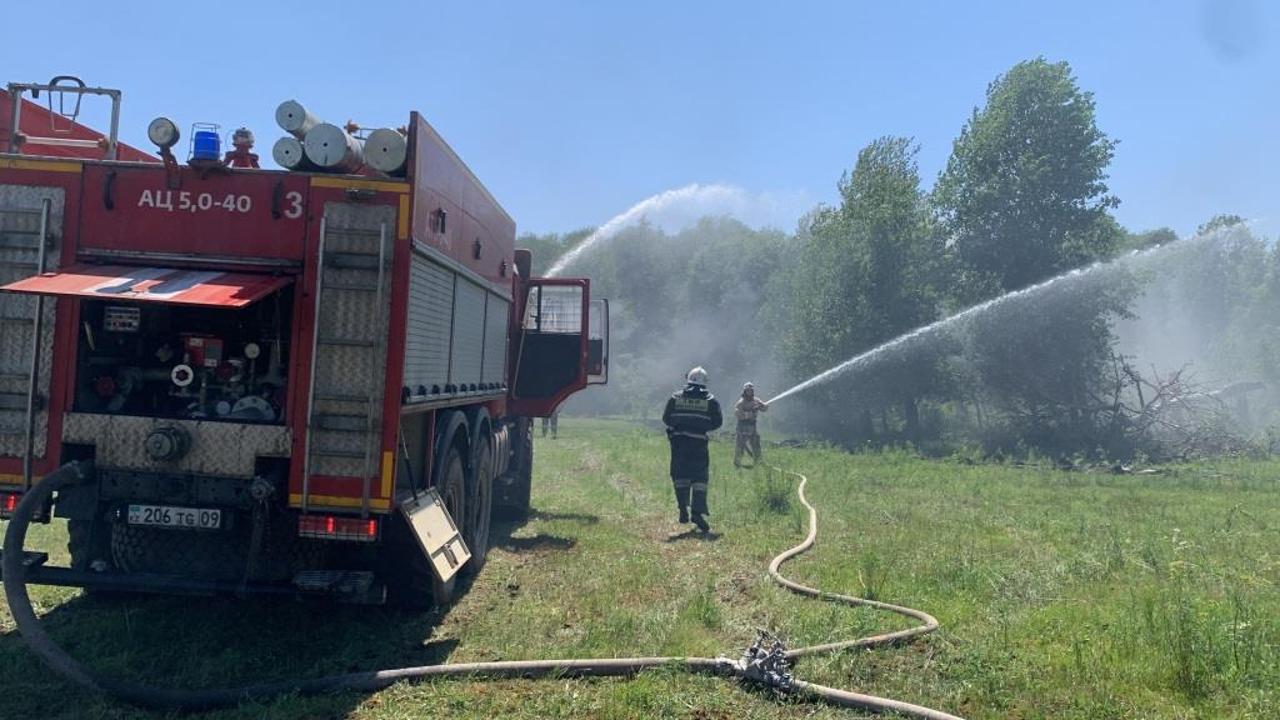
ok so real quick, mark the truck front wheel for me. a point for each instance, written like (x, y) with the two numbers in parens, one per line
(515, 488)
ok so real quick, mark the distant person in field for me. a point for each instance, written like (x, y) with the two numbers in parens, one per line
(691, 414)
(748, 440)
(552, 422)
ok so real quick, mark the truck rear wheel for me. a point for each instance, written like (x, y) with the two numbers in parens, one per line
(479, 506)
(453, 492)
(89, 542)
(412, 582)
(515, 488)
(86, 543)
(186, 553)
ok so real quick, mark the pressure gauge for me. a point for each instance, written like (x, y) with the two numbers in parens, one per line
(182, 375)
(252, 351)
(163, 132)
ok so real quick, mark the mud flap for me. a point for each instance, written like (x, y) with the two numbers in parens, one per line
(436, 533)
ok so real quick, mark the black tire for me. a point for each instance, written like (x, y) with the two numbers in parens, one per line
(479, 505)
(88, 541)
(515, 488)
(284, 554)
(84, 545)
(411, 581)
(187, 553)
(408, 573)
(453, 492)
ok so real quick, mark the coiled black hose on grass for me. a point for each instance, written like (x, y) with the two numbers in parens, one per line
(15, 590)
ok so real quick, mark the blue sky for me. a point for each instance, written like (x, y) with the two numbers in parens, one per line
(571, 112)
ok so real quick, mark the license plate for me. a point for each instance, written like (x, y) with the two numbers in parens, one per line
(175, 517)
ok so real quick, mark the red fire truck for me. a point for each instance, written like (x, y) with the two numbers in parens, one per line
(271, 381)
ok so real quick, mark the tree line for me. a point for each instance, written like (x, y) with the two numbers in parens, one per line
(1023, 198)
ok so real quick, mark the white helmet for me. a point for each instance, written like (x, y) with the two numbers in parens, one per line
(748, 386)
(697, 376)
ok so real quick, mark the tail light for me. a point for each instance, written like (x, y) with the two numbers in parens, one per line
(336, 527)
(8, 502)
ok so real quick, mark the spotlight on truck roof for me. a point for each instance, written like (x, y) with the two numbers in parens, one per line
(163, 132)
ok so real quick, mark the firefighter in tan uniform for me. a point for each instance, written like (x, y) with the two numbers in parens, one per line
(689, 415)
(748, 440)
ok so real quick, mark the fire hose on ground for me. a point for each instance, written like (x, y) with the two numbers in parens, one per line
(764, 663)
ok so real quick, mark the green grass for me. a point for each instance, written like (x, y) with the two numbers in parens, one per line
(1061, 595)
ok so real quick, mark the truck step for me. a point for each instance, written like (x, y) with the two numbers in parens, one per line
(348, 342)
(353, 231)
(14, 401)
(352, 261)
(13, 240)
(337, 397)
(341, 423)
(349, 454)
(351, 287)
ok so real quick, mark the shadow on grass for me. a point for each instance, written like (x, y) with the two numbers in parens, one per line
(214, 642)
(207, 642)
(693, 534)
(583, 518)
(539, 542)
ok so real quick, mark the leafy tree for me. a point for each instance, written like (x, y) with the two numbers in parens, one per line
(1147, 240)
(867, 273)
(547, 247)
(1023, 196)
(1219, 222)
(1216, 289)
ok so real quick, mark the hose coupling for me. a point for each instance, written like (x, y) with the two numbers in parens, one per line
(765, 663)
(261, 489)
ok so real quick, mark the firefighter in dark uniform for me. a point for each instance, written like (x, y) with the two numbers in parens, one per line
(691, 414)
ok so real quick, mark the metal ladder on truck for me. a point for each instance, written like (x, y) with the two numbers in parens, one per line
(349, 348)
(25, 236)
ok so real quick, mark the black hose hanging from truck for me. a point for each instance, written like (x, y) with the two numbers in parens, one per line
(767, 665)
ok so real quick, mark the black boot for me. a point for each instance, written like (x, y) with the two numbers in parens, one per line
(701, 522)
(684, 515)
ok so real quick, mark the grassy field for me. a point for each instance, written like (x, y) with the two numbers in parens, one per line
(1061, 595)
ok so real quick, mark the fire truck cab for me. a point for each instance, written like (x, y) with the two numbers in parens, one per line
(275, 381)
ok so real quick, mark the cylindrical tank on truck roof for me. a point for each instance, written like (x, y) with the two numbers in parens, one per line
(332, 149)
(288, 154)
(294, 119)
(387, 151)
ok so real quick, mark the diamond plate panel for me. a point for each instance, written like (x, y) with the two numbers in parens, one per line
(352, 338)
(217, 448)
(19, 230)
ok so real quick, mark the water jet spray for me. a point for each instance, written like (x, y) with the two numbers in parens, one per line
(1133, 260)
